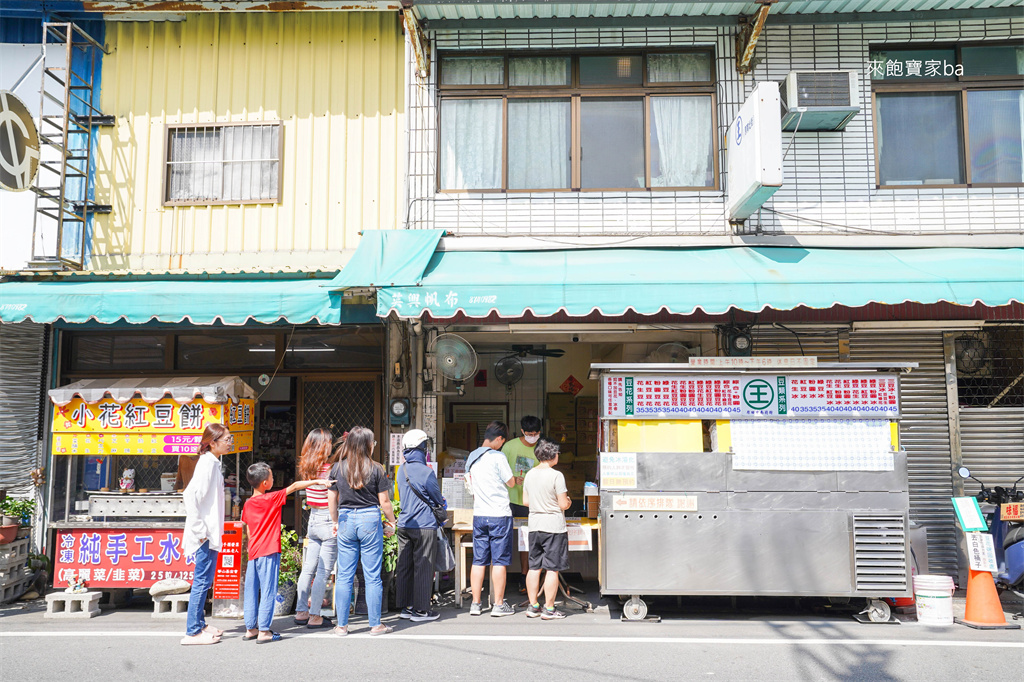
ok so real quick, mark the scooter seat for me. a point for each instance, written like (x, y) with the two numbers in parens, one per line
(1014, 535)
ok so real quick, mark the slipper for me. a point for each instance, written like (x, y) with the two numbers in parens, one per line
(384, 629)
(201, 638)
(325, 624)
(248, 638)
(274, 637)
(340, 631)
(300, 622)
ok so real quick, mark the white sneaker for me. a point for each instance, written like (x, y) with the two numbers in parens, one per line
(424, 616)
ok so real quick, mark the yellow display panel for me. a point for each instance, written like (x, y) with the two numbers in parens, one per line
(723, 436)
(136, 443)
(675, 435)
(894, 430)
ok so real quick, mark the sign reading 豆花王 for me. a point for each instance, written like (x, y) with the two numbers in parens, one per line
(858, 396)
(166, 427)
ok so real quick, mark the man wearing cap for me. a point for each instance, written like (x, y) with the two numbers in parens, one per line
(417, 529)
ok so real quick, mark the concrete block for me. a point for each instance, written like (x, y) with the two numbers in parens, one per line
(171, 606)
(65, 605)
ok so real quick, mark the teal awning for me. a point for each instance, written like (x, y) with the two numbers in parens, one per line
(616, 280)
(79, 299)
(388, 258)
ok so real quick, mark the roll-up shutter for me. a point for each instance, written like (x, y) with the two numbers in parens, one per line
(821, 342)
(21, 372)
(992, 443)
(924, 432)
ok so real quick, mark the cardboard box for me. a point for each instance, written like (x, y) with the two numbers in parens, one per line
(460, 516)
(587, 407)
(561, 406)
(561, 424)
(586, 436)
(563, 438)
(588, 425)
(461, 435)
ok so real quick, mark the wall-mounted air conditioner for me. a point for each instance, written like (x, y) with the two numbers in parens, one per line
(819, 100)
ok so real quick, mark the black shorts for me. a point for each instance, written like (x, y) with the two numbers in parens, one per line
(549, 551)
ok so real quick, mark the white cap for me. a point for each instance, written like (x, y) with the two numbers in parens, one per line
(413, 438)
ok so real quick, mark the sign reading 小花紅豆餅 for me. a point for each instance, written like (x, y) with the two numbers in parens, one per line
(861, 396)
(618, 470)
(166, 427)
(981, 552)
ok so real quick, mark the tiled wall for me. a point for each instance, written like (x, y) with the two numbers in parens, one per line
(829, 177)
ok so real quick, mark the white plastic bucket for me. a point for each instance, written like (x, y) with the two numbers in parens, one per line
(934, 595)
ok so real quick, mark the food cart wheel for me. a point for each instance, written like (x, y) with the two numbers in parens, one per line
(635, 608)
(878, 611)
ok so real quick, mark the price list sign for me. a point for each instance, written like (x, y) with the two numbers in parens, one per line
(742, 396)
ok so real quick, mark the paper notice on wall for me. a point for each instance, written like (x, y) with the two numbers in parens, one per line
(395, 450)
(812, 445)
(454, 490)
(618, 470)
(581, 538)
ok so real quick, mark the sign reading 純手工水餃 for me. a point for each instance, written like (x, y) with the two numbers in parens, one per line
(867, 396)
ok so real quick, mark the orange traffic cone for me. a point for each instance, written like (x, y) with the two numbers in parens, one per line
(984, 611)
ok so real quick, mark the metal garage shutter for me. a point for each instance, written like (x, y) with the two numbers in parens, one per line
(992, 444)
(21, 372)
(821, 342)
(924, 432)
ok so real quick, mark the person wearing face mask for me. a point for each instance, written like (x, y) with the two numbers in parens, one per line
(521, 458)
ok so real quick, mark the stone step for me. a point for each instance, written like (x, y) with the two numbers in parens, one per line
(67, 605)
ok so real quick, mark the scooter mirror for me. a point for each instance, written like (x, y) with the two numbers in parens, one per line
(964, 472)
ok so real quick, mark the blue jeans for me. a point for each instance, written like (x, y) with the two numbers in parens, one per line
(206, 566)
(360, 538)
(321, 551)
(261, 591)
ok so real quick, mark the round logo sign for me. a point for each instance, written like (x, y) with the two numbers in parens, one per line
(758, 394)
(19, 144)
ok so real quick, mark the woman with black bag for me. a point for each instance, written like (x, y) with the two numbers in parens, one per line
(423, 511)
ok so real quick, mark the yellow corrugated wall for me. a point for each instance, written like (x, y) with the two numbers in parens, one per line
(336, 81)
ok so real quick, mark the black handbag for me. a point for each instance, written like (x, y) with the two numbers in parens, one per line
(440, 513)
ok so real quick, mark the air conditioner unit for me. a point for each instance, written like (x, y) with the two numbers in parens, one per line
(819, 100)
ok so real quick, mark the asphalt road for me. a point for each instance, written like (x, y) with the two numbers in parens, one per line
(728, 645)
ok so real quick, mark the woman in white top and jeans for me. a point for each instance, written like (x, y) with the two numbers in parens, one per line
(204, 527)
(315, 462)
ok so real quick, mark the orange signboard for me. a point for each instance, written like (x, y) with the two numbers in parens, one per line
(1013, 511)
(136, 427)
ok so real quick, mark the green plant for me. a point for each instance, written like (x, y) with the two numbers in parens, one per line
(291, 557)
(391, 543)
(20, 509)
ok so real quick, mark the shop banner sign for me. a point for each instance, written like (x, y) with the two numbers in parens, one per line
(136, 427)
(849, 396)
(120, 558)
(227, 580)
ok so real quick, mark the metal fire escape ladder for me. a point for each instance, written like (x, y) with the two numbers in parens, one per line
(68, 112)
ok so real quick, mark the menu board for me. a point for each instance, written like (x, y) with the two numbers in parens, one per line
(745, 396)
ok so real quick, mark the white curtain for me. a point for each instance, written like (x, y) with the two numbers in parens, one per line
(678, 68)
(196, 171)
(471, 144)
(538, 143)
(224, 163)
(250, 168)
(538, 71)
(473, 71)
(682, 128)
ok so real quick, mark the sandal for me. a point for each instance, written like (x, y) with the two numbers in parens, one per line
(381, 630)
(340, 631)
(201, 638)
(248, 638)
(274, 637)
(325, 623)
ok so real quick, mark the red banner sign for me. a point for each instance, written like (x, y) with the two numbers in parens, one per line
(120, 558)
(227, 581)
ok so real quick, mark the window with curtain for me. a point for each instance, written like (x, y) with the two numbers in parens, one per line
(223, 164)
(571, 122)
(949, 115)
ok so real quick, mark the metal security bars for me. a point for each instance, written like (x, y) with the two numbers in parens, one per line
(231, 163)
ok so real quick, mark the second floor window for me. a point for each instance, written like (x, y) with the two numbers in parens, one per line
(223, 164)
(949, 115)
(549, 122)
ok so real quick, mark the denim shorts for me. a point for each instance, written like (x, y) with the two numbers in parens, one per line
(492, 540)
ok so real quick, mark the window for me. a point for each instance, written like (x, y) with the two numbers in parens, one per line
(559, 122)
(103, 352)
(949, 115)
(223, 164)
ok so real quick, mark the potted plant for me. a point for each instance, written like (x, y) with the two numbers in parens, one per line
(17, 512)
(291, 566)
(390, 562)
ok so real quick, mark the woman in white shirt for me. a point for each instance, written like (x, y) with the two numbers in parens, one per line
(204, 526)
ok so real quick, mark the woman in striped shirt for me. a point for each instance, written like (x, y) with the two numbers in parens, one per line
(315, 462)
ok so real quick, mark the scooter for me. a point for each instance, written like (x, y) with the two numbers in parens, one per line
(1007, 536)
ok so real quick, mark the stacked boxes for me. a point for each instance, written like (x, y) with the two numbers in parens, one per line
(561, 424)
(587, 425)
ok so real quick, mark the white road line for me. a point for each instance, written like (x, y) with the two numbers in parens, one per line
(580, 639)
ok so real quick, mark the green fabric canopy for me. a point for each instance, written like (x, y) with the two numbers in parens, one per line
(615, 280)
(81, 299)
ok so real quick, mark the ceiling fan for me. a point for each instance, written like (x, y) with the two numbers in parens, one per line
(523, 350)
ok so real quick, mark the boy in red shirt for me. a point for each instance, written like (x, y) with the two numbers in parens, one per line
(262, 517)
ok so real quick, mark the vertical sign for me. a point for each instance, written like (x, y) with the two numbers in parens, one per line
(629, 396)
(227, 579)
(981, 552)
(782, 396)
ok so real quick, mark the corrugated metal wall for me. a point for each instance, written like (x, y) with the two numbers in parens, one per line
(21, 371)
(924, 432)
(336, 81)
(819, 342)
